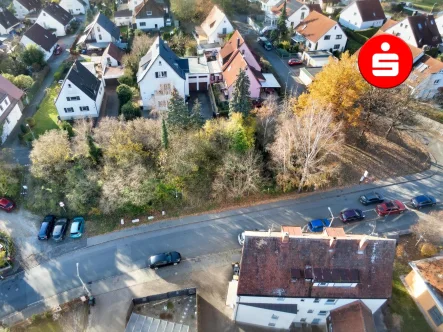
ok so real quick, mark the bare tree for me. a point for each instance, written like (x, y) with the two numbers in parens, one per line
(401, 110)
(375, 103)
(267, 118)
(80, 142)
(429, 227)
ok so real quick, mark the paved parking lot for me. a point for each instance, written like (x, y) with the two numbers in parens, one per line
(203, 98)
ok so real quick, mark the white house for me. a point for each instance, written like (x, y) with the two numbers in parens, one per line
(290, 277)
(123, 16)
(10, 107)
(267, 5)
(101, 32)
(54, 17)
(81, 94)
(214, 28)
(44, 39)
(111, 63)
(8, 21)
(295, 11)
(151, 14)
(419, 30)
(25, 7)
(426, 78)
(75, 7)
(439, 22)
(363, 14)
(319, 32)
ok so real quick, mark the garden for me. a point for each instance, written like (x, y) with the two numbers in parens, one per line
(6, 252)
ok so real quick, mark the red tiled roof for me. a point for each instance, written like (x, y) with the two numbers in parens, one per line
(268, 266)
(431, 270)
(114, 52)
(10, 89)
(389, 23)
(315, 26)
(423, 68)
(355, 314)
(231, 46)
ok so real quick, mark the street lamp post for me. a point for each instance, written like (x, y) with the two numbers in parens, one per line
(332, 216)
(62, 205)
(83, 284)
(27, 125)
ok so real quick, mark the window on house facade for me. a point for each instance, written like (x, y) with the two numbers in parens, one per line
(161, 74)
(302, 16)
(7, 121)
(436, 315)
(338, 37)
(336, 46)
(72, 98)
(98, 28)
(316, 300)
(420, 26)
(149, 13)
(162, 103)
(316, 321)
(302, 320)
(44, 14)
(280, 299)
(84, 108)
(69, 109)
(310, 311)
(331, 301)
(159, 63)
(322, 313)
(99, 37)
(1, 108)
(436, 81)
(327, 37)
(142, 24)
(271, 324)
(6, 102)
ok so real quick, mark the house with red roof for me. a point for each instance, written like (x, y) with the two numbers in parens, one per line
(11, 107)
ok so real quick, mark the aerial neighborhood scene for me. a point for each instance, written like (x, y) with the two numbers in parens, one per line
(221, 165)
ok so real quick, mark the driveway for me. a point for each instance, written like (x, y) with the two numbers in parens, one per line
(203, 98)
(112, 102)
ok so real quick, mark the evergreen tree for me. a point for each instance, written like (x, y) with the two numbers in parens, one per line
(165, 139)
(178, 113)
(281, 24)
(197, 120)
(240, 101)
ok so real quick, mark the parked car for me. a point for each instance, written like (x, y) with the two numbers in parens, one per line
(168, 22)
(263, 41)
(371, 198)
(167, 258)
(349, 215)
(318, 225)
(77, 227)
(423, 201)
(295, 62)
(241, 236)
(390, 207)
(46, 227)
(58, 50)
(60, 228)
(6, 204)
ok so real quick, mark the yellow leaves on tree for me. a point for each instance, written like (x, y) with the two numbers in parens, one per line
(338, 87)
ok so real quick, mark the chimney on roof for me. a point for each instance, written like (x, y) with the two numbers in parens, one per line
(363, 244)
(285, 237)
(238, 42)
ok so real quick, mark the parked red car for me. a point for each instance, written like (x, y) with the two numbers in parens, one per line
(295, 62)
(390, 207)
(6, 204)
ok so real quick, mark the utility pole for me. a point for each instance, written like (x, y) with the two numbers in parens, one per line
(432, 8)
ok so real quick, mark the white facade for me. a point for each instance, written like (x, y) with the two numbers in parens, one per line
(70, 109)
(350, 17)
(297, 16)
(48, 22)
(267, 5)
(224, 28)
(309, 310)
(12, 118)
(73, 7)
(403, 30)
(108, 61)
(150, 23)
(334, 39)
(439, 22)
(428, 88)
(157, 85)
(123, 21)
(20, 11)
(101, 35)
(26, 41)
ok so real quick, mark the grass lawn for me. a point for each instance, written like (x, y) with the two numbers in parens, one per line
(45, 325)
(368, 33)
(427, 5)
(352, 46)
(46, 115)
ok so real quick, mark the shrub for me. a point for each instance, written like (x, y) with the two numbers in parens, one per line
(124, 93)
(24, 128)
(65, 125)
(428, 250)
(130, 111)
(30, 122)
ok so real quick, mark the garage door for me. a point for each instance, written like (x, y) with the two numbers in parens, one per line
(111, 81)
(202, 86)
(192, 86)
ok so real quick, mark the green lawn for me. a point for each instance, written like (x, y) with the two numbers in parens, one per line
(368, 33)
(352, 46)
(45, 325)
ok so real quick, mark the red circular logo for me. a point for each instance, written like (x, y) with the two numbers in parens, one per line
(385, 61)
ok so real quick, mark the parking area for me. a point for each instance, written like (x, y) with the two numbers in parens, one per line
(112, 103)
(203, 98)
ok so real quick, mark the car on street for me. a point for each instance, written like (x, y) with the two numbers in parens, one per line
(318, 225)
(349, 215)
(77, 227)
(58, 50)
(6, 204)
(423, 201)
(295, 62)
(164, 259)
(60, 228)
(263, 41)
(371, 198)
(390, 207)
(241, 236)
(46, 227)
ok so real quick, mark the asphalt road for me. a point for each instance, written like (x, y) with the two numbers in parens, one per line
(212, 234)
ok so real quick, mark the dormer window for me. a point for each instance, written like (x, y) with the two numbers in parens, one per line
(149, 13)
(420, 26)
(98, 28)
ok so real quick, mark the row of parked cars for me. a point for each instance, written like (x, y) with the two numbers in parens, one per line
(57, 228)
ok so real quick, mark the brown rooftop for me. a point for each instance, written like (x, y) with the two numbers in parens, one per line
(272, 266)
(315, 26)
(431, 270)
(335, 232)
(291, 230)
(355, 314)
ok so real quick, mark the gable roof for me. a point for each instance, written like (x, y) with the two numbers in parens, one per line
(355, 314)
(31, 4)
(270, 267)
(114, 52)
(160, 48)
(389, 23)
(291, 7)
(58, 13)
(42, 37)
(213, 20)
(83, 79)
(316, 7)
(425, 30)
(315, 26)
(431, 271)
(370, 10)
(422, 69)
(10, 89)
(7, 19)
(108, 25)
(232, 45)
(155, 6)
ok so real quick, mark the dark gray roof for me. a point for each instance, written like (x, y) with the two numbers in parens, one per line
(370, 10)
(181, 66)
(42, 37)
(123, 13)
(108, 25)
(156, 7)
(58, 13)
(83, 79)
(425, 30)
(7, 19)
(31, 4)
(283, 307)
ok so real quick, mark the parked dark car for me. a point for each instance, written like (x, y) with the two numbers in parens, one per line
(58, 50)
(46, 227)
(391, 207)
(60, 228)
(167, 258)
(371, 198)
(318, 225)
(6, 204)
(423, 201)
(349, 215)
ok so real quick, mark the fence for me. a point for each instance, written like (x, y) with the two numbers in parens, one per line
(163, 296)
(212, 101)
